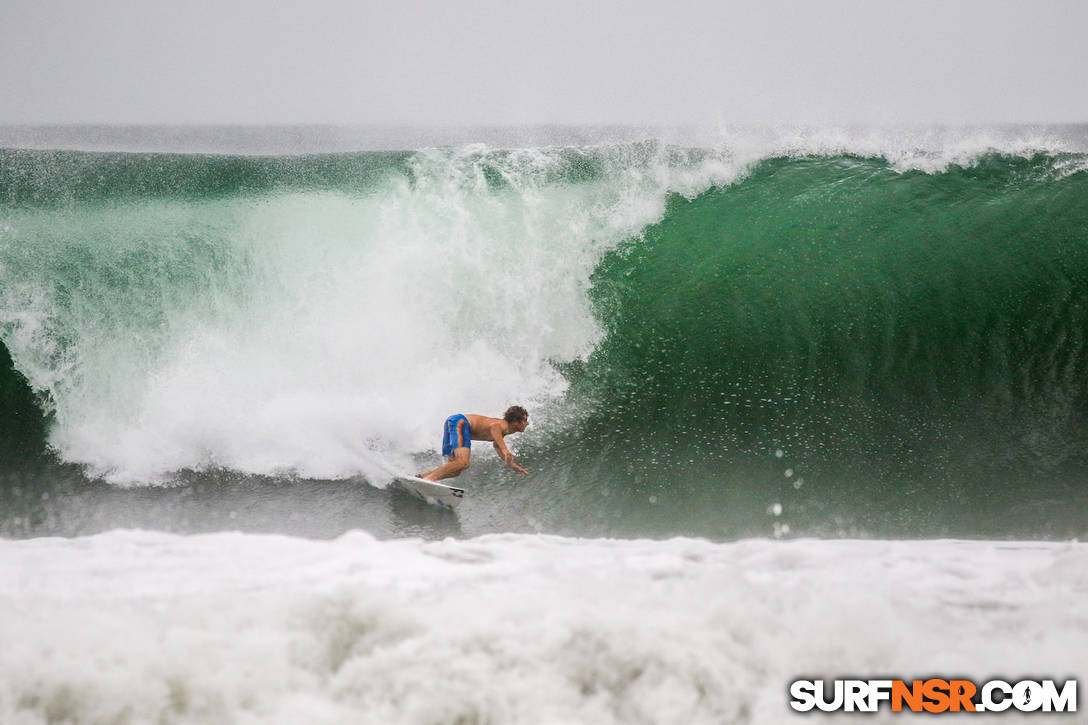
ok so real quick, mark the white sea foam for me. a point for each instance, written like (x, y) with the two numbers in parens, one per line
(908, 148)
(229, 628)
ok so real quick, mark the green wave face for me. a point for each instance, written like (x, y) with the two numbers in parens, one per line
(711, 343)
(52, 178)
(834, 346)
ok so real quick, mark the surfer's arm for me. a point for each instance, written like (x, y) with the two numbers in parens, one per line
(502, 450)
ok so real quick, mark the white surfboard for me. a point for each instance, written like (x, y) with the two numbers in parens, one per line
(436, 494)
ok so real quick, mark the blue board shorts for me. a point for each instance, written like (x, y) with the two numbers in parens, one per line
(455, 434)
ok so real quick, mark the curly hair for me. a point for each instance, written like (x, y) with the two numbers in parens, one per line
(515, 413)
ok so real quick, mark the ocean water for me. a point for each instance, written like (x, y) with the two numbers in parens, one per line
(803, 401)
(141, 626)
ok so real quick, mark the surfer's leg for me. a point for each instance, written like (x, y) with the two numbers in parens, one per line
(458, 462)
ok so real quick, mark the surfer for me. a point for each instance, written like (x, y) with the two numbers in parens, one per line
(459, 431)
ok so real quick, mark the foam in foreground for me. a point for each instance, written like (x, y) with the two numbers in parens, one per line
(134, 626)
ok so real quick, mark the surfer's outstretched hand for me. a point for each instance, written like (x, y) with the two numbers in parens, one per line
(509, 460)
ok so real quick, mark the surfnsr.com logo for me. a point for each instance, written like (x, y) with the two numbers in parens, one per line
(933, 695)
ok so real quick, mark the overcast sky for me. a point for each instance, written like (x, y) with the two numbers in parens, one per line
(554, 61)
